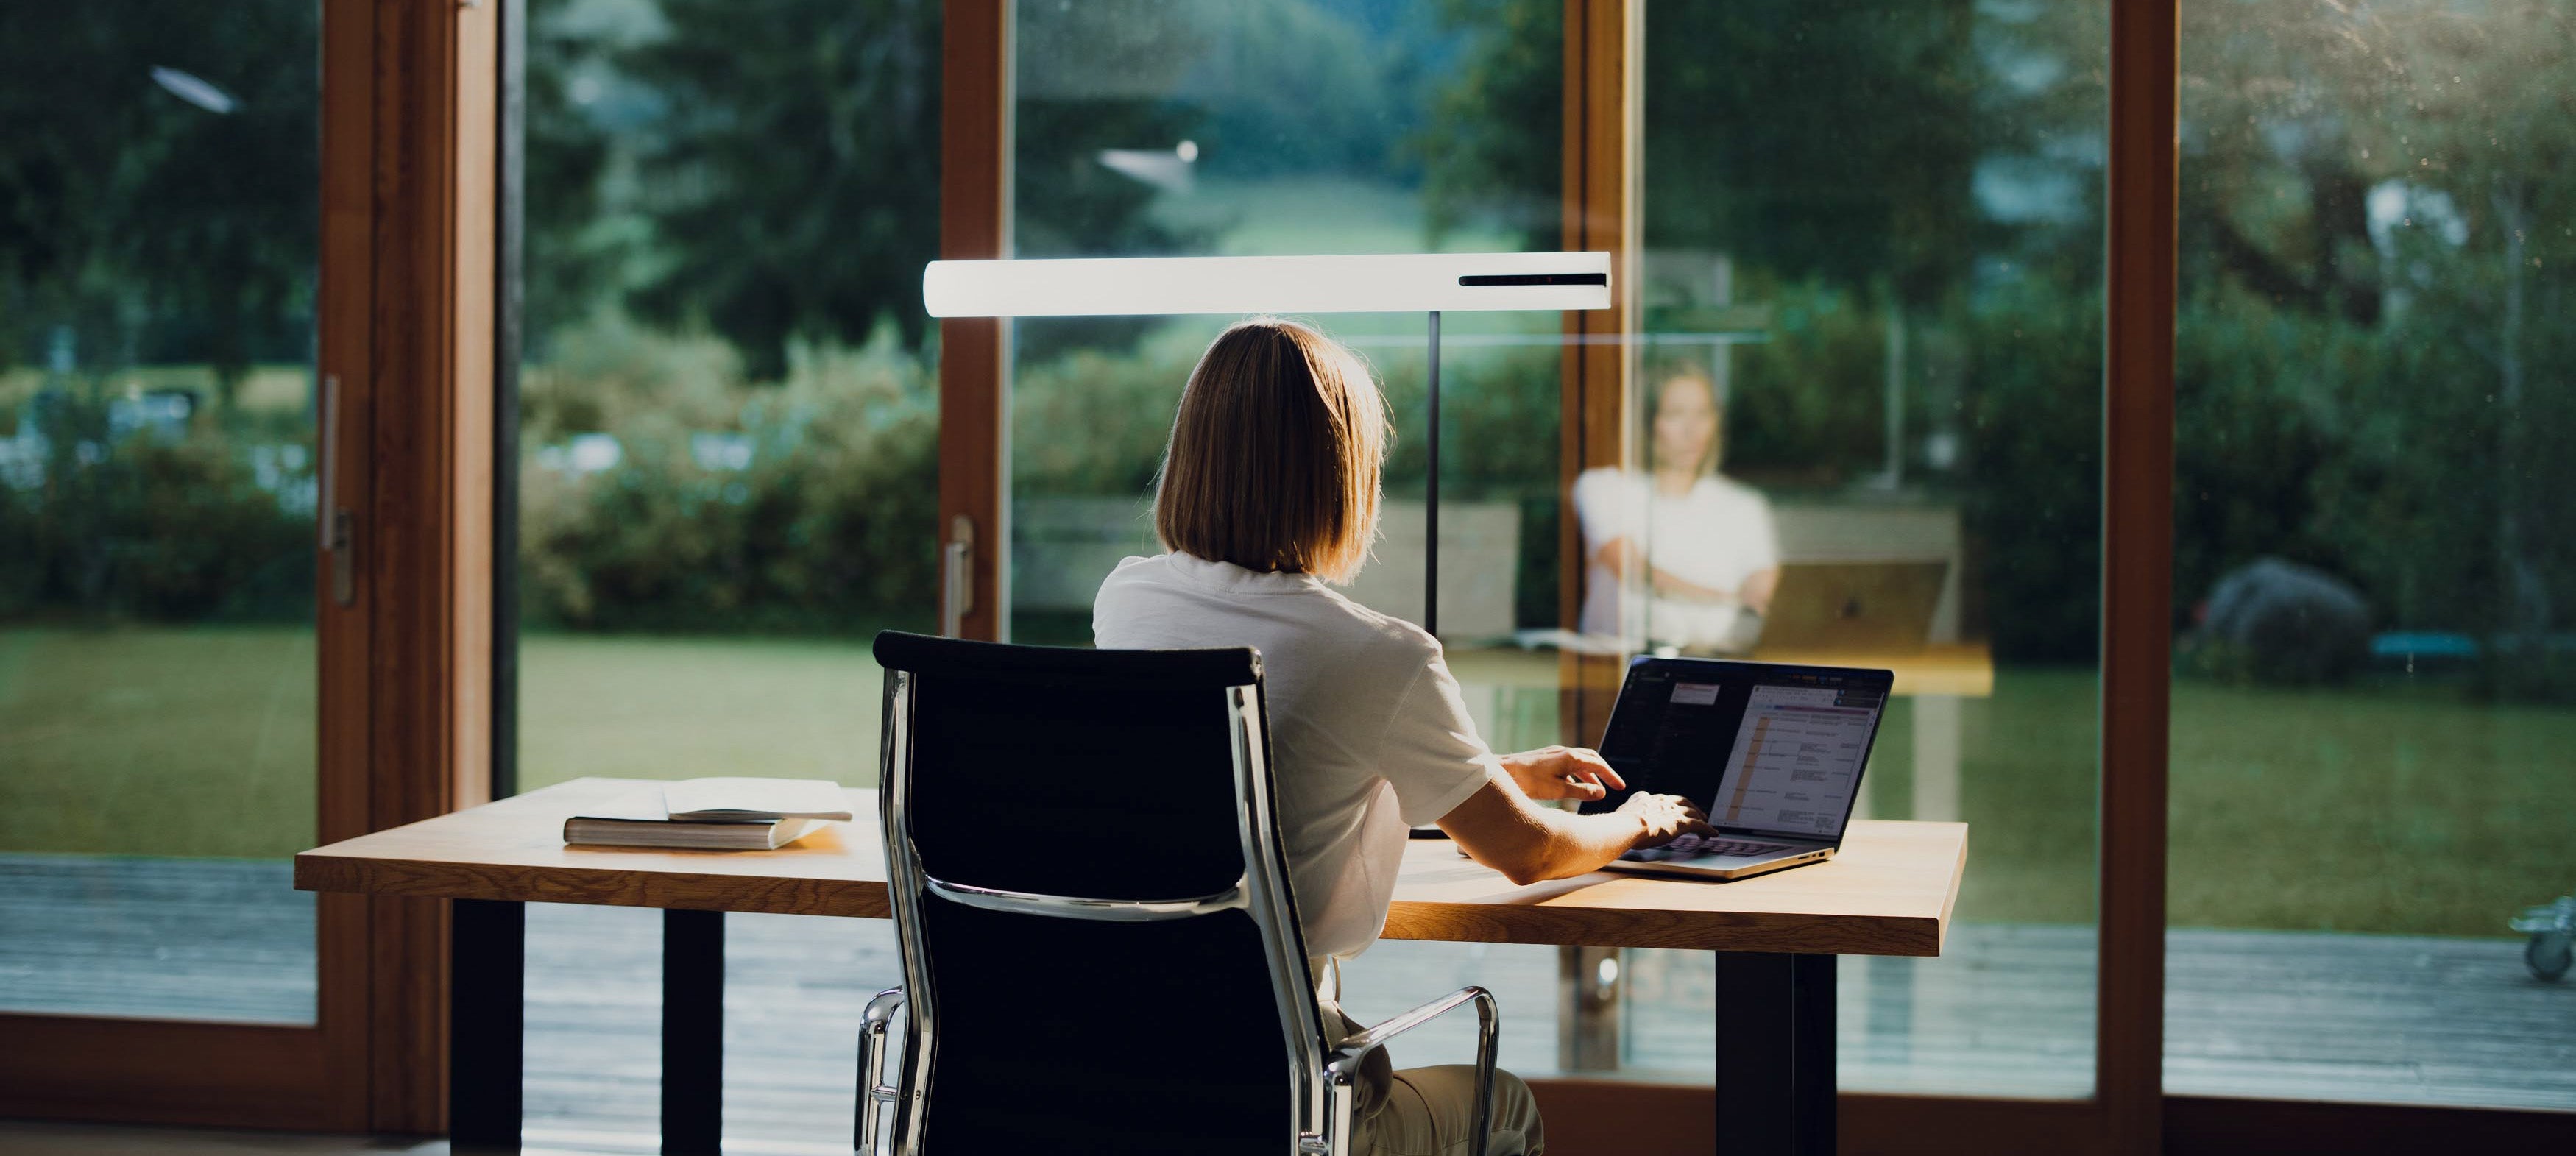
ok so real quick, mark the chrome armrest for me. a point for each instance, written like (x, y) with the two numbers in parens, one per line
(1342, 1064)
(874, 1092)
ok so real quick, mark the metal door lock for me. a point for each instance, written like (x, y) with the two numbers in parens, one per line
(957, 577)
(339, 526)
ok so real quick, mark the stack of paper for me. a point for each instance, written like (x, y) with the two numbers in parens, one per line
(713, 815)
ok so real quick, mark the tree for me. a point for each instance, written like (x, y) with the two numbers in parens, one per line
(1481, 156)
(779, 163)
(2387, 188)
(1772, 124)
(159, 181)
(572, 256)
(791, 177)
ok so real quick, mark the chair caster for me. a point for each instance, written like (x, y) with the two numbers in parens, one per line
(2552, 927)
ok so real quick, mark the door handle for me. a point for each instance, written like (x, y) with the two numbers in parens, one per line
(957, 577)
(337, 525)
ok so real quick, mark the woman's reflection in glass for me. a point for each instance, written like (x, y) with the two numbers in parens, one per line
(1678, 555)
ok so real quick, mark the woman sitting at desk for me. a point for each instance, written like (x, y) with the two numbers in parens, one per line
(1679, 555)
(1270, 491)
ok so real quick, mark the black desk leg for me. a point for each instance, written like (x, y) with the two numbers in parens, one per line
(1775, 1053)
(692, 1032)
(487, 955)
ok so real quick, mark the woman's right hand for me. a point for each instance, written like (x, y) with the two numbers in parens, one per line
(1667, 817)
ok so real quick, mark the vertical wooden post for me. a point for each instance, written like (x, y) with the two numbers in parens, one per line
(474, 258)
(975, 223)
(509, 308)
(343, 316)
(2137, 573)
(424, 538)
(1600, 213)
(1600, 200)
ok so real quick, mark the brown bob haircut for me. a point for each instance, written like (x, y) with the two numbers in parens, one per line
(1274, 456)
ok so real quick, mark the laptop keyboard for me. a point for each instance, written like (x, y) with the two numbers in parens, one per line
(1694, 846)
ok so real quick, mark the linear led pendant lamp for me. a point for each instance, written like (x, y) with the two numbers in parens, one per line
(1395, 283)
(1430, 283)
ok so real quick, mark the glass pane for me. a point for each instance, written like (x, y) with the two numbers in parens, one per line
(728, 403)
(796, 990)
(2374, 691)
(1214, 127)
(157, 263)
(1868, 418)
(728, 483)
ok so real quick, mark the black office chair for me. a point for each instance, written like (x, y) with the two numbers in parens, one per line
(1100, 951)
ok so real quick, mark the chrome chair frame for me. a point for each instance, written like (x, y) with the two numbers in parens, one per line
(1324, 1085)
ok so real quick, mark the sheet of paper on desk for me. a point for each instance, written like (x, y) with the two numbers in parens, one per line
(747, 798)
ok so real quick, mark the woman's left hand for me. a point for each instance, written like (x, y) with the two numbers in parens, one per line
(1562, 773)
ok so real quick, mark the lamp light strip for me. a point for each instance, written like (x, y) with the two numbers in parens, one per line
(1377, 283)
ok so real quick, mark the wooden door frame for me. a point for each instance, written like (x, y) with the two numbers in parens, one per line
(403, 322)
(435, 169)
(1602, 136)
(2137, 575)
(974, 352)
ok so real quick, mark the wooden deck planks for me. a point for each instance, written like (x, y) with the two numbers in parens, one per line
(219, 939)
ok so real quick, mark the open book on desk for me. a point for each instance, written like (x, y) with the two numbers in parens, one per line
(727, 814)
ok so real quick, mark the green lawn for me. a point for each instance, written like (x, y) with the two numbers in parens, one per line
(661, 708)
(200, 742)
(182, 742)
(2369, 809)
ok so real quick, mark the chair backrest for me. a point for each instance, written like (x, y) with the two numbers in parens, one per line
(1099, 942)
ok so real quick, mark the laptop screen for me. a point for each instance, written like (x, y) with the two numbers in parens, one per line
(1775, 750)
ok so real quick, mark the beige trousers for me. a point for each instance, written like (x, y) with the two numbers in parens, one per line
(1430, 1111)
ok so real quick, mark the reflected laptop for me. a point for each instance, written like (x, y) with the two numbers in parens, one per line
(1772, 753)
(1854, 606)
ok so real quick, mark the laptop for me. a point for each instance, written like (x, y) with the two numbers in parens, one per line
(1853, 606)
(1772, 753)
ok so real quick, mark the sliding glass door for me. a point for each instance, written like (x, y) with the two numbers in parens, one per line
(190, 235)
(1872, 253)
(158, 477)
(727, 421)
(2376, 690)
(727, 410)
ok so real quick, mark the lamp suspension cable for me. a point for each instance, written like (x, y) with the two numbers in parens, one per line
(1431, 496)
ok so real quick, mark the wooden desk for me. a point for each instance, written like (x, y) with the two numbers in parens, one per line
(1889, 892)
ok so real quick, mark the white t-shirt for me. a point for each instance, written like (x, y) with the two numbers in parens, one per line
(1717, 535)
(1368, 734)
